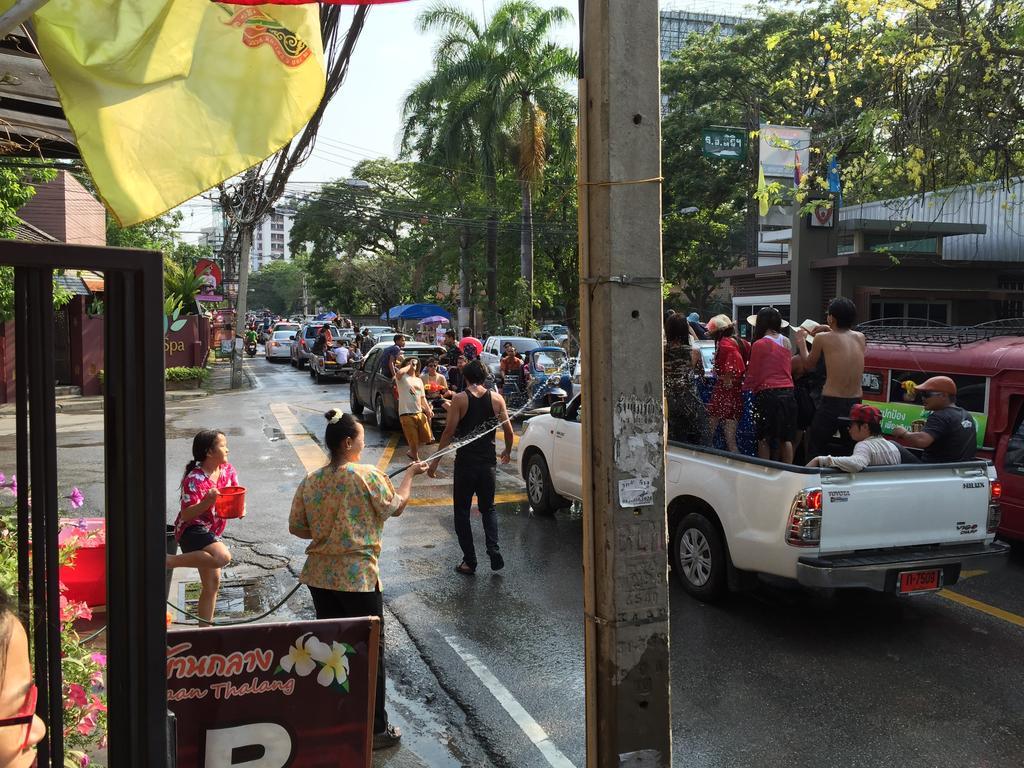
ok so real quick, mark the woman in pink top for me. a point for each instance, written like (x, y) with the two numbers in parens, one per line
(197, 529)
(770, 378)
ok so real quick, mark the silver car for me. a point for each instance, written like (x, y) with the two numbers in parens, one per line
(494, 349)
(279, 346)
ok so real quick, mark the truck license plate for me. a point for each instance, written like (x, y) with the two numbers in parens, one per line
(920, 581)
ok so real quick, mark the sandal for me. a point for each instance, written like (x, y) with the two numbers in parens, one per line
(465, 569)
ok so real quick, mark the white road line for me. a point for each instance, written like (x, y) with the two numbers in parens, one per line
(522, 718)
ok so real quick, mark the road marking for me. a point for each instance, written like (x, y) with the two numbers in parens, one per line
(977, 605)
(971, 574)
(389, 450)
(508, 702)
(309, 453)
(442, 501)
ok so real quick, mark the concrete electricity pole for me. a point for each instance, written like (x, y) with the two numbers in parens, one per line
(241, 303)
(625, 562)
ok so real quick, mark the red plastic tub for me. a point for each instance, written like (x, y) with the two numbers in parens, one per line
(231, 503)
(86, 577)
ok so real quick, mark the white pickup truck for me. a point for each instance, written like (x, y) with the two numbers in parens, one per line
(904, 529)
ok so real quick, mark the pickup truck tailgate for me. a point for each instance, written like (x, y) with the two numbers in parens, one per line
(904, 507)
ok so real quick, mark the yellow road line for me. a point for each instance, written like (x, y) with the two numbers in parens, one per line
(971, 574)
(309, 453)
(977, 605)
(389, 450)
(443, 501)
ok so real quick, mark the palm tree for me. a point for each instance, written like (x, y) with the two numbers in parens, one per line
(494, 86)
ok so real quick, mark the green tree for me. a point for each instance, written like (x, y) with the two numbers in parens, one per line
(499, 83)
(278, 287)
(16, 189)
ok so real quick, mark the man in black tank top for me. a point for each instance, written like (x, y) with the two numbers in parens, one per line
(473, 412)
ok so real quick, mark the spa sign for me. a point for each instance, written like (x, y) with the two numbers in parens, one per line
(296, 695)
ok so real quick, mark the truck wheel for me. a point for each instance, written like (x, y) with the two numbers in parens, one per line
(353, 401)
(698, 558)
(539, 489)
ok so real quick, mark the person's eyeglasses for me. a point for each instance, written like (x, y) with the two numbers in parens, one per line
(25, 715)
(925, 393)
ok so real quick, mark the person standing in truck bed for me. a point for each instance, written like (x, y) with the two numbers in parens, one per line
(843, 350)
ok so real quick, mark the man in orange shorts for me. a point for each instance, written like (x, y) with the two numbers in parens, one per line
(414, 412)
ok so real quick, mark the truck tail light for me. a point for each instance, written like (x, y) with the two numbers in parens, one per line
(804, 526)
(995, 491)
(994, 513)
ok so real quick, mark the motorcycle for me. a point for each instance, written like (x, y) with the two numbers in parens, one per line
(250, 348)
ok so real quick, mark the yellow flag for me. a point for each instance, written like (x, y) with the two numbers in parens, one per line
(168, 98)
(761, 195)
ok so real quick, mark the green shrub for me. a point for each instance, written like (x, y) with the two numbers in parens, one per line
(186, 374)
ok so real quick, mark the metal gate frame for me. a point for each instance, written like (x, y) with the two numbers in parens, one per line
(134, 478)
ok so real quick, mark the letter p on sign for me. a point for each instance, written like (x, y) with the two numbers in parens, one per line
(257, 745)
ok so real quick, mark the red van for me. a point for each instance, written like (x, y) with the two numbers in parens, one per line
(988, 369)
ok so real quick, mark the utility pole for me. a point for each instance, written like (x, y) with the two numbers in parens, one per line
(625, 560)
(244, 241)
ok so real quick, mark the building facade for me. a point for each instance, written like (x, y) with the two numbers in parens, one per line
(676, 26)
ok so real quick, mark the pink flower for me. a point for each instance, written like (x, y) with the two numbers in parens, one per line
(76, 695)
(77, 498)
(87, 724)
(3, 478)
(84, 761)
(99, 658)
(96, 680)
(72, 610)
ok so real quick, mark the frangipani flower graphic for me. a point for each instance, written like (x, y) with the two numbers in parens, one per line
(299, 657)
(334, 660)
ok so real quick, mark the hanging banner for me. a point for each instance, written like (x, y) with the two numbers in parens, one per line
(781, 148)
(299, 695)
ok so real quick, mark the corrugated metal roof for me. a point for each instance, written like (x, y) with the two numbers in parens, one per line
(72, 284)
(1000, 209)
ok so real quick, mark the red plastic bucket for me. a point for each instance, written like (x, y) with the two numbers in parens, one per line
(86, 577)
(231, 502)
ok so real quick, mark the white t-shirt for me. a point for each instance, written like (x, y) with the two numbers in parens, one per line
(410, 390)
(341, 355)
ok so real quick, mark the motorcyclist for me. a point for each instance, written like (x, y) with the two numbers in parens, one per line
(250, 338)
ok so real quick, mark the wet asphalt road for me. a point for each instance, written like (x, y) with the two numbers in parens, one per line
(778, 676)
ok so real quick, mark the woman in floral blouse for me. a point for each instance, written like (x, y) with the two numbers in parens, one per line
(342, 508)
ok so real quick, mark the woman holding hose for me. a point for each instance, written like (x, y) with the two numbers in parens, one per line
(341, 508)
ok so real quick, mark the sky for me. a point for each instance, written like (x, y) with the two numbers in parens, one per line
(364, 119)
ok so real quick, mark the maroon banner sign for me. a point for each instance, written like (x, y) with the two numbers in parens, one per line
(297, 695)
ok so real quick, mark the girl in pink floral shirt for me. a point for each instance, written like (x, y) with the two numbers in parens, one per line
(196, 528)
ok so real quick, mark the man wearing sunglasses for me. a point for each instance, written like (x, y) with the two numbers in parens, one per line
(950, 434)
(871, 449)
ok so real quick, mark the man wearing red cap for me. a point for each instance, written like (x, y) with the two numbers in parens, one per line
(871, 449)
(950, 434)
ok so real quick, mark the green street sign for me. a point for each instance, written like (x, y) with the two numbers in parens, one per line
(725, 143)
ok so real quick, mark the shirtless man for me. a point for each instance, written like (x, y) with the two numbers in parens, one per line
(843, 349)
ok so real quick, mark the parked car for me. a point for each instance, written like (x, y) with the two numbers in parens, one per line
(380, 333)
(278, 346)
(302, 344)
(902, 529)
(494, 348)
(372, 388)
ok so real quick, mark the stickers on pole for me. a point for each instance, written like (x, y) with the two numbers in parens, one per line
(299, 695)
(636, 492)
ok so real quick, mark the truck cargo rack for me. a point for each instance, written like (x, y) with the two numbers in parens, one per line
(926, 333)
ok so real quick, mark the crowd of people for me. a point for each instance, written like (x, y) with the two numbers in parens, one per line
(806, 394)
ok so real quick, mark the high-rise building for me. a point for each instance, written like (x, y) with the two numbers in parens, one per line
(270, 238)
(676, 26)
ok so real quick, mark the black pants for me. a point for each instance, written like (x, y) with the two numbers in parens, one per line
(330, 604)
(826, 422)
(478, 480)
